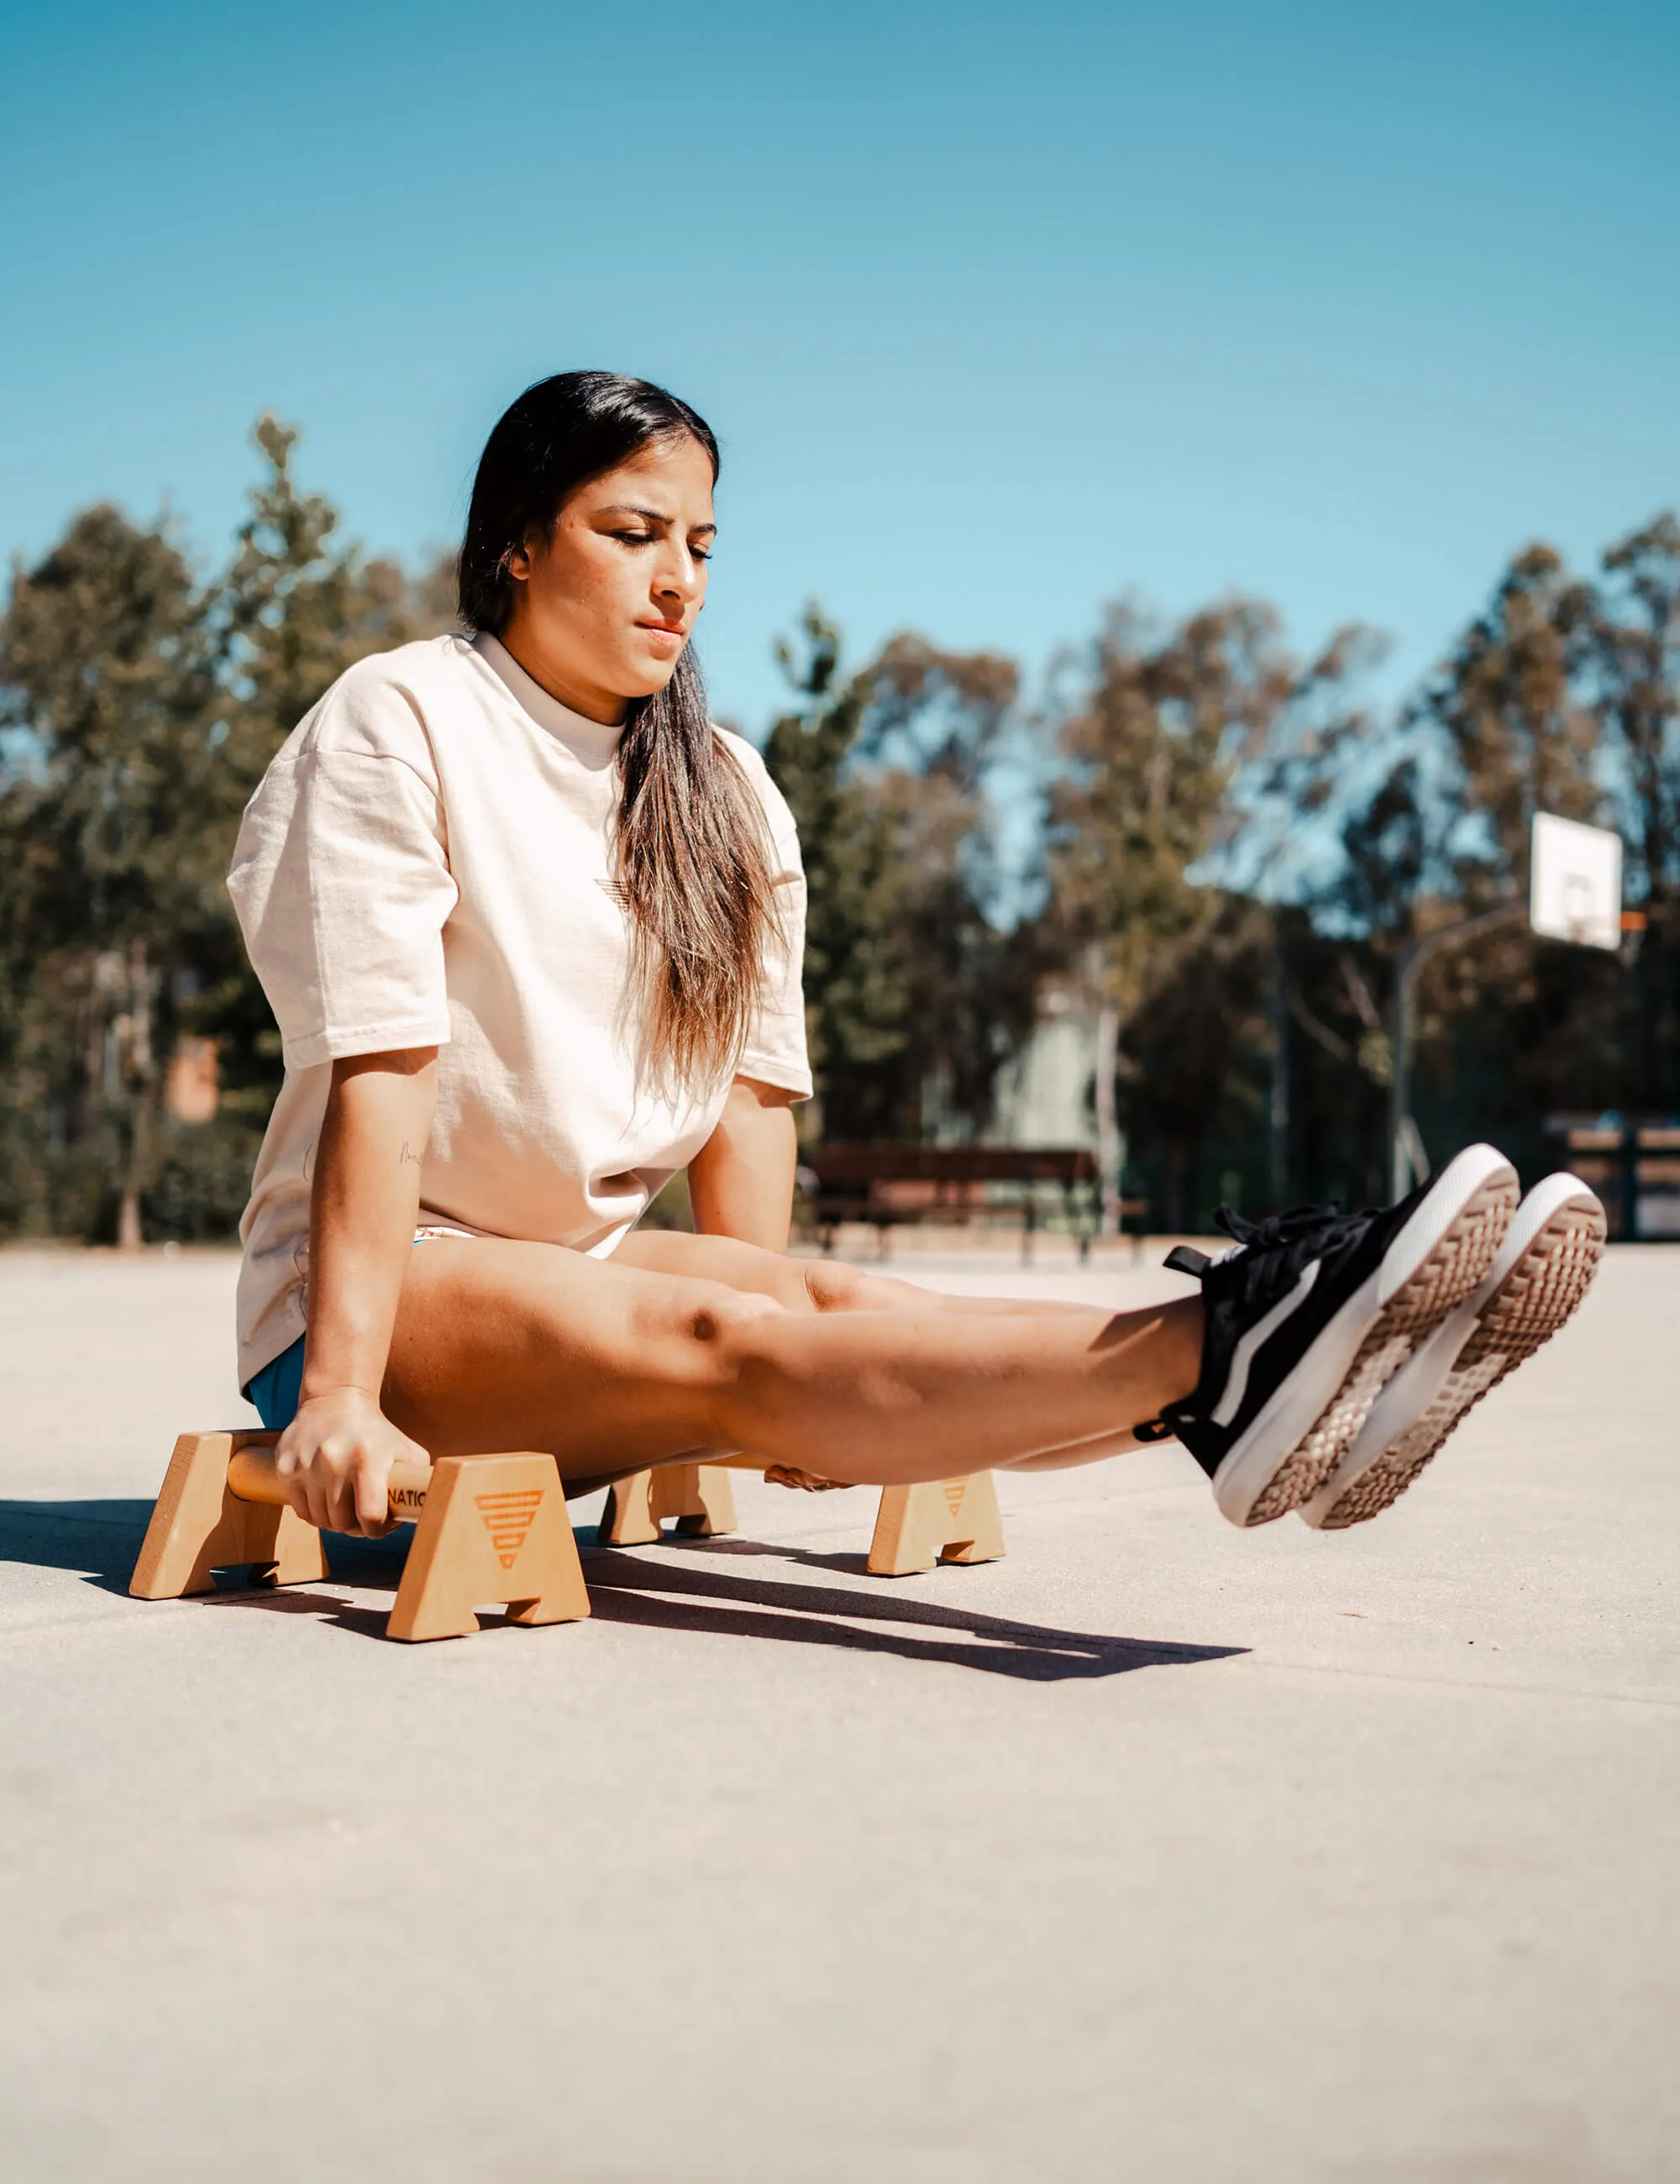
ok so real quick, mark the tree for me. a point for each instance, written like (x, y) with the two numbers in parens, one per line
(914, 995)
(1173, 743)
(296, 607)
(109, 807)
(1634, 678)
(293, 610)
(137, 711)
(1507, 1027)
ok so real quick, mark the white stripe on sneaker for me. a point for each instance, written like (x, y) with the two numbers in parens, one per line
(1242, 1357)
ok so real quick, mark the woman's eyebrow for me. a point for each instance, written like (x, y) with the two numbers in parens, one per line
(648, 514)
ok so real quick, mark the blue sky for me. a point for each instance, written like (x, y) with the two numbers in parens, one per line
(998, 311)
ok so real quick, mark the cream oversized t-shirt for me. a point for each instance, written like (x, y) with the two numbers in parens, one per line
(428, 860)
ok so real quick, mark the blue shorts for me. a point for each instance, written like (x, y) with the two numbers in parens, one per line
(274, 1390)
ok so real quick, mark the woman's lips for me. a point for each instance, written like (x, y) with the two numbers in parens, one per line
(671, 630)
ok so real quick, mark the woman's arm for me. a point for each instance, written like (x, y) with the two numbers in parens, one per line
(741, 1185)
(336, 1454)
(741, 1181)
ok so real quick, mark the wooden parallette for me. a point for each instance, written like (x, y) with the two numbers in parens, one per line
(488, 1528)
(698, 1496)
(953, 1520)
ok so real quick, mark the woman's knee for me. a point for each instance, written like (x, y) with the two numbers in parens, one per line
(713, 1330)
(832, 1286)
(725, 1315)
(736, 1358)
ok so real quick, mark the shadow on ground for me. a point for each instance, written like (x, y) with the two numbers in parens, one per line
(667, 1590)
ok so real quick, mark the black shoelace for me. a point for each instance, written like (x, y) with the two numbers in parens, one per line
(1300, 1224)
(1300, 1234)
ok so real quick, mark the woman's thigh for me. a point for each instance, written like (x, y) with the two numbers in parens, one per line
(745, 1267)
(604, 1365)
(807, 1285)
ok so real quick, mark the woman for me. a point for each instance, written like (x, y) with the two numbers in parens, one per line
(531, 930)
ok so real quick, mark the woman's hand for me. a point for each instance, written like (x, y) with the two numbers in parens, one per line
(334, 1459)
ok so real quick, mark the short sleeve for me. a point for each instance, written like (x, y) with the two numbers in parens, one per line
(341, 879)
(774, 1052)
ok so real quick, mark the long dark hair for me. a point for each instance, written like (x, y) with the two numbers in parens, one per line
(693, 865)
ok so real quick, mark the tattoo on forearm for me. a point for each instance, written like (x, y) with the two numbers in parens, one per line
(406, 1155)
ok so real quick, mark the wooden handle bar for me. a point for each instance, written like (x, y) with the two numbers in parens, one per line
(252, 1477)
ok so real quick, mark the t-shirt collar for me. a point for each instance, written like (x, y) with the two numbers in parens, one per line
(594, 742)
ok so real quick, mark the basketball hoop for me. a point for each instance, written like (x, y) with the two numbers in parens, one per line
(1575, 882)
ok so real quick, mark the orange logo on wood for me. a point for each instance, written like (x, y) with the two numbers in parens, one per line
(956, 1491)
(507, 1518)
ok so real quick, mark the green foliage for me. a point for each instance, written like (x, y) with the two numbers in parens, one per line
(1230, 844)
(138, 708)
(1560, 697)
(914, 996)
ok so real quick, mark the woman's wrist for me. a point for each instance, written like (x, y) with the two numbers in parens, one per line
(319, 1391)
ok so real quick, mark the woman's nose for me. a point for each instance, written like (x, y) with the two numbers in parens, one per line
(679, 575)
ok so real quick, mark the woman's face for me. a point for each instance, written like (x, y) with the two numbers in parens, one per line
(603, 606)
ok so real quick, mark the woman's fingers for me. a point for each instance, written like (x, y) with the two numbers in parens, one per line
(809, 1482)
(372, 1505)
(341, 1503)
(336, 1468)
(290, 1468)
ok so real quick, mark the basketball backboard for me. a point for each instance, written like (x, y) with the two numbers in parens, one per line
(1575, 882)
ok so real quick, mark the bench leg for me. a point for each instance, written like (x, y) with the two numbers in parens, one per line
(955, 1520)
(494, 1527)
(198, 1527)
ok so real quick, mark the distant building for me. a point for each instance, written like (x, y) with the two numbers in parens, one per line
(1045, 1097)
(190, 1088)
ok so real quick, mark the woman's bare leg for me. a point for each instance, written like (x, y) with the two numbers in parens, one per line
(828, 1284)
(806, 1284)
(502, 1346)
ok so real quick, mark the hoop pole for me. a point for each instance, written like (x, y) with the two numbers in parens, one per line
(1410, 962)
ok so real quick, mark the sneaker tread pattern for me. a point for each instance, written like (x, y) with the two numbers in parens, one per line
(1539, 1294)
(1449, 1271)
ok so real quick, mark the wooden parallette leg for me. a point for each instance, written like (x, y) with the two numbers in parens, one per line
(494, 1527)
(698, 1496)
(955, 1520)
(200, 1526)
(488, 1528)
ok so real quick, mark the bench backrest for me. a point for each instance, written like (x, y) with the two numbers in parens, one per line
(841, 1164)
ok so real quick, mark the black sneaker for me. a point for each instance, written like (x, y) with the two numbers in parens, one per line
(1543, 1267)
(1309, 1313)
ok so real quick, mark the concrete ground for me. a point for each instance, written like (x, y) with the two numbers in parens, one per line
(1156, 1851)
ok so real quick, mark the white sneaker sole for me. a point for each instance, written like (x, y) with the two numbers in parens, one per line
(1314, 1416)
(1544, 1269)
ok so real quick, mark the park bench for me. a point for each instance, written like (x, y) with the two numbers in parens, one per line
(493, 1528)
(1633, 1161)
(883, 1185)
